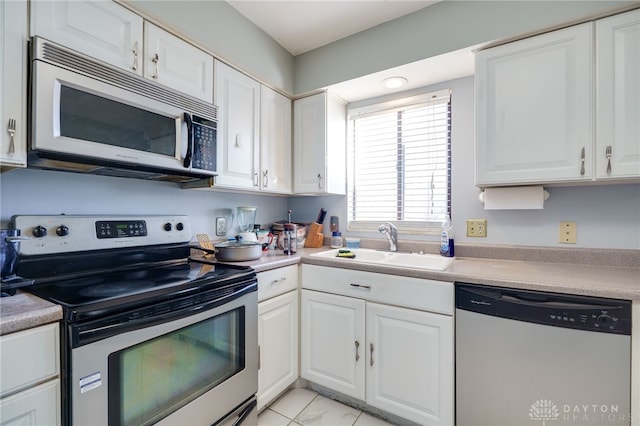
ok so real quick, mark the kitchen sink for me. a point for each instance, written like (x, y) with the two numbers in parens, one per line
(431, 262)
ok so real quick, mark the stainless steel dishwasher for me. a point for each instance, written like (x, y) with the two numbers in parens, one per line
(535, 358)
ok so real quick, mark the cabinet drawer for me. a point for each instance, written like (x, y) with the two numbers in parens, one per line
(277, 281)
(29, 357)
(415, 293)
(39, 405)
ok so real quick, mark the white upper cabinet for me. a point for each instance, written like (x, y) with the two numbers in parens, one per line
(254, 134)
(319, 145)
(535, 109)
(13, 83)
(101, 29)
(275, 142)
(618, 96)
(238, 97)
(559, 108)
(177, 64)
(113, 34)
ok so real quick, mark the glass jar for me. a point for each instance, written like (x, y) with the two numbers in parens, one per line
(290, 240)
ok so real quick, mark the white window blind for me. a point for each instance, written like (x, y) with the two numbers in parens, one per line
(399, 163)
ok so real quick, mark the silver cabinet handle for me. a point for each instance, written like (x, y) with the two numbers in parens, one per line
(371, 354)
(582, 158)
(276, 281)
(155, 60)
(135, 56)
(368, 287)
(11, 128)
(608, 151)
(256, 178)
(266, 178)
(237, 142)
(319, 181)
(357, 346)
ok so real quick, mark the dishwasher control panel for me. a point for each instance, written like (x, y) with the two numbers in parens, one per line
(554, 309)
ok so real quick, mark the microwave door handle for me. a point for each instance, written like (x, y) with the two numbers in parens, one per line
(187, 157)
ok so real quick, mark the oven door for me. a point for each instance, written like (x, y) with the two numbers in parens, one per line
(192, 366)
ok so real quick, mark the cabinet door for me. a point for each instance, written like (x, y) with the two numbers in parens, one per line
(410, 363)
(332, 342)
(309, 139)
(238, 97)
(38, 348)
(36, 406)
(275, 142)
(278, 346)
(13, 82)
(177, 64)
(534, 109)
(101, 29)
(618, 99)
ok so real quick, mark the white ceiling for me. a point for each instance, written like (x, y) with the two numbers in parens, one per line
(303, 25)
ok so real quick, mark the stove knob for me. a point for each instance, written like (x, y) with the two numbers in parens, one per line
(167, 227)
(39, 231)
(179, 226)
(62, 231)
(603, 319)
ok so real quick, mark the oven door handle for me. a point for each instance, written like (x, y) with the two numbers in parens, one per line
(244, 415)
(136, 319)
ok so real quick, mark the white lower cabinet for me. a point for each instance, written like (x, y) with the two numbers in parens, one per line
(410, 366)
(384, 339)
(30, 385)
(277, 332)
(332, 337)
(35, 406)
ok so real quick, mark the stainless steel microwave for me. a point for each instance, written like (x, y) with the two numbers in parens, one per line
(87, 116)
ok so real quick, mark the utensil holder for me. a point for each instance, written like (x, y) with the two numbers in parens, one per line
(315, 236)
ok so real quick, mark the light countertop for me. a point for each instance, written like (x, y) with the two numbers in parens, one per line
(24, 310)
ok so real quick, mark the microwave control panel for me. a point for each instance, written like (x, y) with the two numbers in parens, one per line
(204, 144)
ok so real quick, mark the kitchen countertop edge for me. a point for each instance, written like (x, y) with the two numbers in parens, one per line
(577, 279)
(24, 310)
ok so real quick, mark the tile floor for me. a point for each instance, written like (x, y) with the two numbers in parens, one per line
(302, 407)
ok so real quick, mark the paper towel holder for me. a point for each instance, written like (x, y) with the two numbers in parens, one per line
(545, 195)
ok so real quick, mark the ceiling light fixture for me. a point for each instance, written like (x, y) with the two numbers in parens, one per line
(394, 82)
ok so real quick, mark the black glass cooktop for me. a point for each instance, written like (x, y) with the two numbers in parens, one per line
(142, 285)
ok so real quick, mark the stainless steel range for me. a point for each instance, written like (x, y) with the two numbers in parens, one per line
(149, 335)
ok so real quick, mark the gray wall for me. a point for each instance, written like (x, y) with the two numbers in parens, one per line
(607, 216)
(49, 192)
(441, 28)
(220, 29)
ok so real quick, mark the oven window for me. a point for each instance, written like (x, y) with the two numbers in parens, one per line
(152, 379)
(93, 118)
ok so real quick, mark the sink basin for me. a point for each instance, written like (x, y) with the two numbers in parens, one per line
(431, 262)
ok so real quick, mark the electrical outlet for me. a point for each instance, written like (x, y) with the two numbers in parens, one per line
(221, 226)
(568, 233)
(476, 227)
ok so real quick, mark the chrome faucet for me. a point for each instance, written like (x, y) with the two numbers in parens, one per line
(391, 232)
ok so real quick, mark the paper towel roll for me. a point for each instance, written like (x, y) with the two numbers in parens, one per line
(514, 198)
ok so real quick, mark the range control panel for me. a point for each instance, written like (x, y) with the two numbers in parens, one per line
(63, 234)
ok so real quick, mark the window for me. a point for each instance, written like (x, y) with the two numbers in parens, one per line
(399, 163)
